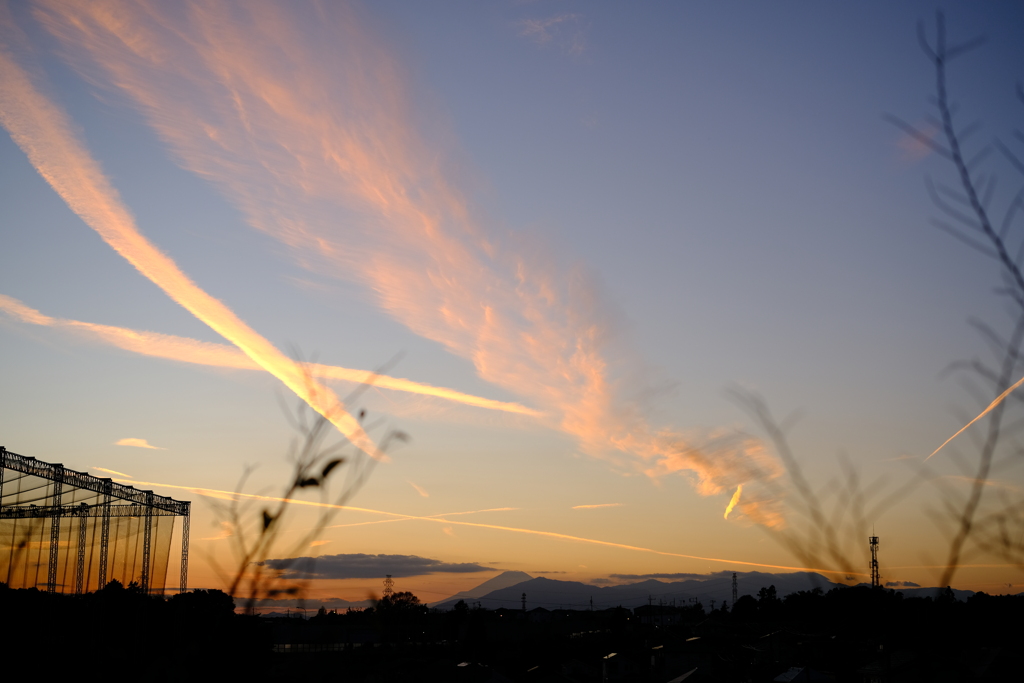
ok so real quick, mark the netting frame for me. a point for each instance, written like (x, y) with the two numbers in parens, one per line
(117, 500)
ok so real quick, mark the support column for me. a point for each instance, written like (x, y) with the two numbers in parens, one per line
(105, 533)
(51, 571)
(3, 466)
(83, 519)
(183, 585)
(147, 537)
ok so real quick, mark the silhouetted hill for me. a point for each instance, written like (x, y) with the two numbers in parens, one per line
(502, 580)
(717, 587)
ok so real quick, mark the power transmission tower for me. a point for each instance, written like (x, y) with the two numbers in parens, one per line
(735, 590)
(389, 587)
(876, 580)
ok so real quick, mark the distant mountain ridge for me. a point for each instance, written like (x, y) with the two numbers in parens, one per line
(502, 580)
(712, 590)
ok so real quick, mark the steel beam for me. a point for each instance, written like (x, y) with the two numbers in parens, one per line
(47, 511)
(87, 482)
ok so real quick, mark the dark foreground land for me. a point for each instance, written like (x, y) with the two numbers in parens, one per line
(848, 634)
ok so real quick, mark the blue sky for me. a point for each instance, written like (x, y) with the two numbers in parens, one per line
(707, 191)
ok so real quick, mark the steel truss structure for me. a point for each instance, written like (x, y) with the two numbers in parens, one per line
(92, 504)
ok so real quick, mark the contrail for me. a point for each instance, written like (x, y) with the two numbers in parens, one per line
(999, 399)
(445, 514)
(735, 499)
(441, 520)
(197, 352)
(44, 134)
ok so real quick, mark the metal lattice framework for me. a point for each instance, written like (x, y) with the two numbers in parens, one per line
(876, 579)
(95, 505)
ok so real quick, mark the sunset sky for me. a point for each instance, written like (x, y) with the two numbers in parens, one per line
(567, 233)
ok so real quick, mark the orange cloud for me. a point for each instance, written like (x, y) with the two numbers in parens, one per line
(599, 505)
(137, 443)
(188, 350)
(302, 118)
(419, 490)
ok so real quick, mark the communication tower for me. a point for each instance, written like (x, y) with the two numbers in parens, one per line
(735, 589)
(389, 587)
(876, 580)
(524, 602)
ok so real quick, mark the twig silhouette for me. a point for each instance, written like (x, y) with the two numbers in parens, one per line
(967, 208)
(258, 537)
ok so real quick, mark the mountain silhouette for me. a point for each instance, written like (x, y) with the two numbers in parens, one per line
(502, 580)
(717, 587)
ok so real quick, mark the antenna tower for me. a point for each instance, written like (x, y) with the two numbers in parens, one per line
(524, 602)
(876, 580)
(735, 589)
(389, 587)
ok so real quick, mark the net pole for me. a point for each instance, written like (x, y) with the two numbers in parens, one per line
(80, 573)
(183, 584)
(51, 571)
(147, 539)
(104, 534)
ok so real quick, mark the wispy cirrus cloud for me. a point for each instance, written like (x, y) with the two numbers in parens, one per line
(599, 505)
(564, 30)
(137, 443)
(304, 117)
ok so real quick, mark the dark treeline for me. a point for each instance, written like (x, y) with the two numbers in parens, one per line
(128, 633)
(847, 634)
